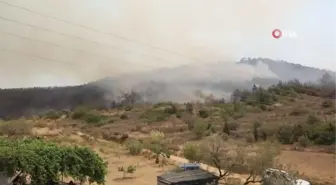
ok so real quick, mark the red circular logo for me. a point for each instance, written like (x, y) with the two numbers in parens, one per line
(276, 33)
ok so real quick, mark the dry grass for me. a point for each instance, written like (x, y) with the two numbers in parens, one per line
(314, 165)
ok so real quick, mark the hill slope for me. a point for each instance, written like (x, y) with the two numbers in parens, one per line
(168, 84)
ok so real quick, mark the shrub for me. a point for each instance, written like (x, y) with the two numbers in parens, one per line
(226, 128)
(297, 111)
(284, 134)
(312, 119)
(128, 108)
(53, 115)
(263, 107)
(91, 117)
(255, 130)
(130, 169)
(171, 109)
(233, 125)
(322, 134)
(123, 116)
(224, 136)
(44, 161)
(203, 113)
(249, 138)
(200, 128)
(134, 147)
(327, 103)
(189, 108)
(238, 115)
(153, 115)
(78, 113)
(192, 152)
(303, 141)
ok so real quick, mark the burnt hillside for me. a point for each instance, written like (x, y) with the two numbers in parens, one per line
(28, 101)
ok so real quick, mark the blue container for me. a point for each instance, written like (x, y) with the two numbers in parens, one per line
(190, 166)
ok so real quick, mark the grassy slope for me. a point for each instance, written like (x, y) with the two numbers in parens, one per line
(138, 120)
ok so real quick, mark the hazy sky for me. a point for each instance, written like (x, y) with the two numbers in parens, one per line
(37, 50)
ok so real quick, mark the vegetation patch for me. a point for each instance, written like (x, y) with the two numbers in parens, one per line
(45, 161)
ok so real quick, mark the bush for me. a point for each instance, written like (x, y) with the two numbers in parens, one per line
(45, 161)
(297, 111)
(203, 113)
(303, 141)
(78, 113)
(238, 115)
(192, 152)
(313, 119)
(170, 110)
(249, 138)
(134, 147)
(233, 125)
(123, 116)
(128, 108)
(322, 134)
(91, 117)
(285, 133)
(200, 129)
(224, 136)
(153, 115)
(53, 115)
(189, 108)
(129, 170)
(327, 103)
(263, 107)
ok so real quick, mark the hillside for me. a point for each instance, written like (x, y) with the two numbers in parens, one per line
(289, 71)
(300, 117)
(172, 84)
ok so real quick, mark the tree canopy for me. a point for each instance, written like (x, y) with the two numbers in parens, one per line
(45, 161)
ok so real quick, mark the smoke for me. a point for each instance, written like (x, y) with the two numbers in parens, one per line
(205, 39)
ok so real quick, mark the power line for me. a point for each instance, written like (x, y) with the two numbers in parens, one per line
(36, 56)
(96, 30)
(60, 46)
(74, 36)
(44, 58)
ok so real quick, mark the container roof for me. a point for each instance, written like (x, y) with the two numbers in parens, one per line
(190, 175)
(190, 165)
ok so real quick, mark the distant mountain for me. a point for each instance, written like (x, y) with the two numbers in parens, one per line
(220, 79)
(288, 71)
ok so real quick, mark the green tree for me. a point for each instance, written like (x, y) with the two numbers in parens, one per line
(45, 161)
